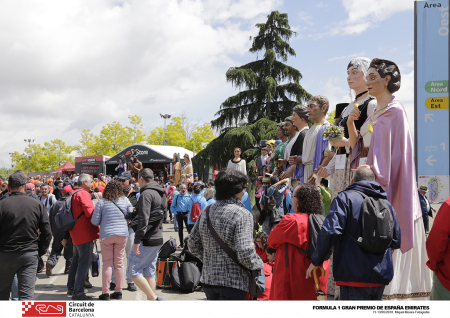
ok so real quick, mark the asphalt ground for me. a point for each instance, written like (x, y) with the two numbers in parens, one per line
(54, 287)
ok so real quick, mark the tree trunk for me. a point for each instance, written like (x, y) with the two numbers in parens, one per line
(268, 113)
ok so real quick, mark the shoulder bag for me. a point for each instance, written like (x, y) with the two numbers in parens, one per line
(257, 281)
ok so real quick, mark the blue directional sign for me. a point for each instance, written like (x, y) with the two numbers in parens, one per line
(431, 85)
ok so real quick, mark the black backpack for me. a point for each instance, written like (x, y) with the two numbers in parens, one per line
(377, 225)
(185, 277)
(167, 248)
(315, 222)
(270, 209)
(64, 218)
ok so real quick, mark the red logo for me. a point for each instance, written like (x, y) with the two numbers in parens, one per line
(128, 153)
(43, 309)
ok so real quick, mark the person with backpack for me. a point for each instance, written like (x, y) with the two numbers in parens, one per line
(59, 235)
(271, 203)
(46, 197)
(292, 239)
(148, 237)
(362, 227)
(195, 206)
(110, 214)
(83, 234)
(180, 209)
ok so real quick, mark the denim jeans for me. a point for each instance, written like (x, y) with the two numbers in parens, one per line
(128, 248)
(223, 293)
(22, 264)
(79, 268)
(361, 293)
(57, 248)
(175, 223)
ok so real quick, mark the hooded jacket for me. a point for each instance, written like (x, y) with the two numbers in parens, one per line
(353, 266)
(151, 203)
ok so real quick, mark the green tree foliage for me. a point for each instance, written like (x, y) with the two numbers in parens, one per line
(182, 133)
(112, 138)
(247, 137)
(43, 158)
(270, 84)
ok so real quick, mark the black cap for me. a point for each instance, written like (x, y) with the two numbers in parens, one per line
(17, 179)
(126, 175)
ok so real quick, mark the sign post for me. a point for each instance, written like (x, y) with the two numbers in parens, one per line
(432, 97)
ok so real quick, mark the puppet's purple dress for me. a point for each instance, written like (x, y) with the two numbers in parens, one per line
(391, 157)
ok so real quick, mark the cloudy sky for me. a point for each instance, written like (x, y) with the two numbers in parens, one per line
(72, 65)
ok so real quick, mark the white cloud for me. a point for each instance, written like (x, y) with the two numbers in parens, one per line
(365, 14)
(335, 93)
(321, 5)
(305, 17)
(67, 66)
(331, 59)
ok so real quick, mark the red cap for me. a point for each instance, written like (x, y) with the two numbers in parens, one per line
(30, 186)
(67, 190)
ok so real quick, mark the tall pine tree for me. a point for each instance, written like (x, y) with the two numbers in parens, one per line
(270, 84)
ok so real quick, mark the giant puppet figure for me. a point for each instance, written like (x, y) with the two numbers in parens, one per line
(176, 168)
(385, 143)
(315, 146)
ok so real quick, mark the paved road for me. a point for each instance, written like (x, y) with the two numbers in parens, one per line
(54, 287)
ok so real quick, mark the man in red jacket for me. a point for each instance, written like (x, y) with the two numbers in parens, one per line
(438, 250)
(83, 234)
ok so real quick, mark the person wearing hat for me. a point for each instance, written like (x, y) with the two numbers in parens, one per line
(261, 161)
(24, 237)
(132, 195)
(425, 206)
(61, 239)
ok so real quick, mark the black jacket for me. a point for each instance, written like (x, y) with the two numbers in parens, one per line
(151, 207)
(33, 195)
(21, 217)
(131, 196)
(4, 194)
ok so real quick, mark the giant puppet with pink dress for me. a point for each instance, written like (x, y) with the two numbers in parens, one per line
(384, 144)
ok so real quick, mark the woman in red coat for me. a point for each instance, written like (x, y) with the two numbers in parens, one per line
(289, 274)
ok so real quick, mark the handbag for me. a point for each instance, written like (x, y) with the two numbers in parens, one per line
(256, 278)
(95, 265)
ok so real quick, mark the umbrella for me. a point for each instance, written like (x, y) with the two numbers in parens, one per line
(319, 293)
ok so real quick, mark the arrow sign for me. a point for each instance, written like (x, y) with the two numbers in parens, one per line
(429, 160)
(428, 116)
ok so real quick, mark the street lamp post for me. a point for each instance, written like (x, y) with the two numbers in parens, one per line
(29, 144)
(12, 166)
(166, 116)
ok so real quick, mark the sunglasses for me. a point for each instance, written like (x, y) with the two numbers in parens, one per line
(123, 180)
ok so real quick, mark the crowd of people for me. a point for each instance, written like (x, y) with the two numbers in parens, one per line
(337, 212)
